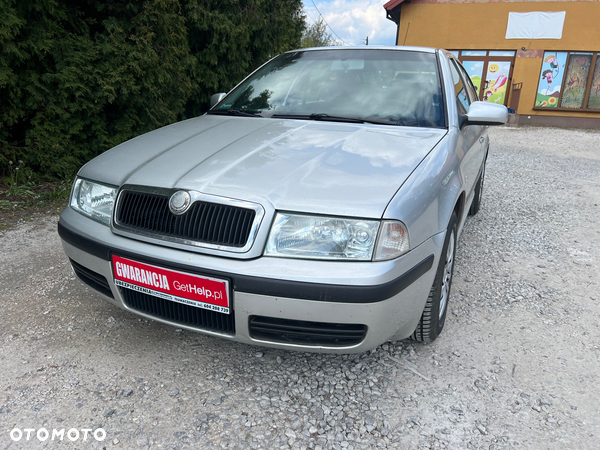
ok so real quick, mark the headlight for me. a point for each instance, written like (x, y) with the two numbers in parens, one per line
(93, 200)
(315, 237)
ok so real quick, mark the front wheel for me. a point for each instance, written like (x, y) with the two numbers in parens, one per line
(434, 315)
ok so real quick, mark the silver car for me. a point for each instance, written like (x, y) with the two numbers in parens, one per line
(315, 207)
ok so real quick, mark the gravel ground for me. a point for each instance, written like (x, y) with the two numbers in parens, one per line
(517, 366)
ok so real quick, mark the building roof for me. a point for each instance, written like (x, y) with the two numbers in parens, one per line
(392, 4)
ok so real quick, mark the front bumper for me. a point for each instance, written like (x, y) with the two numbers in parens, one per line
(386, 297)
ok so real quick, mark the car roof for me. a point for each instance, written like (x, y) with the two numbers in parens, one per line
(370, 47)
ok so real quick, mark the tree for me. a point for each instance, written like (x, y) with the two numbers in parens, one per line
(316, 35)
(78, 77)
(230, 39)
(81, 76)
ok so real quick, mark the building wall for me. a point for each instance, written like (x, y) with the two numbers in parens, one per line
(481, 25)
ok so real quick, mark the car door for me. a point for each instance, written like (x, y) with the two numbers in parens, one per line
(483, 137)
(471, 137)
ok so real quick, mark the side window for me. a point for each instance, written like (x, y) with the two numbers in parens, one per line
(468, 83)
(460, 91)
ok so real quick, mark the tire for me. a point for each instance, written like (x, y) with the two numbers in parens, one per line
(476, 205)
(434, 315)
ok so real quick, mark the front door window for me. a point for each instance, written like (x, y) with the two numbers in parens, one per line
(475, 71)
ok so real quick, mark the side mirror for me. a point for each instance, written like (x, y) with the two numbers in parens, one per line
(484, 113)
(216, 98)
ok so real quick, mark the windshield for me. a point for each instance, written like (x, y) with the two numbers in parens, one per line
(382, 86)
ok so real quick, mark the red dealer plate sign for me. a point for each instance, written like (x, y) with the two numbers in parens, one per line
(194, 290)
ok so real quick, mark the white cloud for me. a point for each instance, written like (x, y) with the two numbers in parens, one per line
(543, 89)
(354, 20)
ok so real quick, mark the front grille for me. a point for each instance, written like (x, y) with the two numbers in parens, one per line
(208, 223)
(92, 279)
(176, 312)
(306, 333)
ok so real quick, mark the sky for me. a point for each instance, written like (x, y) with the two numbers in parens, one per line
(354, 20)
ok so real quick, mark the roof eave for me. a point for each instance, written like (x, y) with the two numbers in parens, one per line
(392, 4)
(392, 10)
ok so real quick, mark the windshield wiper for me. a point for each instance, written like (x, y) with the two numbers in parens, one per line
(234, 112)
(327, 117)
(318, 116)
(330, 118)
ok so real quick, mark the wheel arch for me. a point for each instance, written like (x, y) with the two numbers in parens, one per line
(460, 210)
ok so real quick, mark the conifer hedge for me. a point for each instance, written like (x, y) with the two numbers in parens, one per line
(78, 77)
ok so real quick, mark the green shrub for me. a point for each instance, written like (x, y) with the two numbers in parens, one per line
(78, 77)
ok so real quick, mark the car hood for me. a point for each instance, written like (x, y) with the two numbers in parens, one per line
(305, 166)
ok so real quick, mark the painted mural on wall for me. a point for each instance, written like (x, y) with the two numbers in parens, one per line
(496, 81)
(594, 100)
(551, 80)
(474, 52)
(475, 71)
(576, 80)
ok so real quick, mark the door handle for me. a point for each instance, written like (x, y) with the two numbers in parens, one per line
(481, 139)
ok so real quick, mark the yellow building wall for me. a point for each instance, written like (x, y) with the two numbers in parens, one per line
(482, 26)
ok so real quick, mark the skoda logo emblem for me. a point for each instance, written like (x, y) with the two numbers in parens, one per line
(179, 202)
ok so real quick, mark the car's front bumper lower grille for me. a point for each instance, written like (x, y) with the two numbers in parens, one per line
(204, 223)
(92, 279)
(306, 333)
(178, 313)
